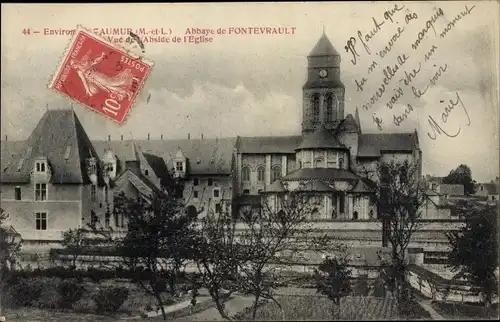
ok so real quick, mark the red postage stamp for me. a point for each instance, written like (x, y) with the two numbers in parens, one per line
(100, 75)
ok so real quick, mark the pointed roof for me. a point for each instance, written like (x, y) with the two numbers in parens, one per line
(323, 47)
(59, 136)
(316, 186)
(321, 138)
(349, 125)
(276, 187)
(361, 187)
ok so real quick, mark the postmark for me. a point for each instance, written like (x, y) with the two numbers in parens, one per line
(100, 75)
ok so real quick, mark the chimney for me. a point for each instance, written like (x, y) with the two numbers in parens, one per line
(161, 136)
(121, 137)
(109, 137)
(202, 135)
(189, 136)
(148, 136)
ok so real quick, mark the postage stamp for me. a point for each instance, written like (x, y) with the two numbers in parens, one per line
(100, 75)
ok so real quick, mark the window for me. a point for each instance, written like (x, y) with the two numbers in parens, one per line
(92, 192)
(218, 208)
(259, 191)
(341, 163)
(246, 191)
(492, 197)
(67, 152)
(41, 221)
(195, 194)
(196, 182)
(40, 166)
(17, 193)
(370, 214)
(315, 108)
(146, 172)
(179, 166)
(210, 181)
(355, 215)
(276, 173)
(300, 164)
(107, 217)
(481, 188)
(117, 224)
(245, 174)
(40, 191)
(319, 163)
(329, 108)
(109, 167)
(105, 193)
(261, 173)
(216, 193)
(341, 202)
(93, 218)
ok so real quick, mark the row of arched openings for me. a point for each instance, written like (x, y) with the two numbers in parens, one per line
(261, 173)
(330, 107)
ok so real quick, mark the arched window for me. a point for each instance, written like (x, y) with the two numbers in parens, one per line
(341, 163)
(329, 108)
(355, 215)
(276, 173)
(261, 171)
(370, 214)
(319, 163)
(245, 173)
(315, 108)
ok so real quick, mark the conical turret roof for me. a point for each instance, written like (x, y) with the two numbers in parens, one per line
(323, 48)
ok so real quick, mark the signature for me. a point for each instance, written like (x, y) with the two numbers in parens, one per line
(436, 127)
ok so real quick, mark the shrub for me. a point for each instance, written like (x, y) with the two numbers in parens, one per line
(25, 292)
(361, 287)
(49, 296)
(70, 291)
(110, 298)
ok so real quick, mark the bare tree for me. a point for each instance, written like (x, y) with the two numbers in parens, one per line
(246, 248)
(75, 241)
(399, 196)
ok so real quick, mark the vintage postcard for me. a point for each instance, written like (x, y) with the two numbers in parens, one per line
(250, 161)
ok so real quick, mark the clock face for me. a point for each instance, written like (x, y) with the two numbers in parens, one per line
(323, 73)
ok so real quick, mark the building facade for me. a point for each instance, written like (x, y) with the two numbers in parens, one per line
(59, 179)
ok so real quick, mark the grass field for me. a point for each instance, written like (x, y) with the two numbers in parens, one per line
(314, 307)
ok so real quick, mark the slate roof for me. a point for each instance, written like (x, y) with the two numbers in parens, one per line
(205, 156)
(321, 138)
(372, 145)
(361, 187)
(323, 48)
(492, 188)
(57, 132)
(268, 144)
(325, 174)
(316, 186)
(451, 189)
(276, 186)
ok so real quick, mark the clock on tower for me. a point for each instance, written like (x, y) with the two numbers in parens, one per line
(323, 73)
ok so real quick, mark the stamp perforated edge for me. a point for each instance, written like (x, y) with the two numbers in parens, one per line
(67, 51)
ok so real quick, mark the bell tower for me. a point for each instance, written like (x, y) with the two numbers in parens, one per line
(323, 92)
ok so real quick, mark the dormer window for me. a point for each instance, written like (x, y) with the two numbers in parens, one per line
(109, 167)
(179, 166)
(41, 166)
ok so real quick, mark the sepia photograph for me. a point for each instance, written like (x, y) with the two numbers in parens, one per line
(315, 161)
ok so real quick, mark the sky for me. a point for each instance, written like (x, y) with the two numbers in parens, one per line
(251, 85)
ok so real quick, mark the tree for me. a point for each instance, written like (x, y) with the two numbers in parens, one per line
(74, 240)
(399, 198)
(461, 175)
(244, 249)
(160, 238)
(333, 279)
(474, 249)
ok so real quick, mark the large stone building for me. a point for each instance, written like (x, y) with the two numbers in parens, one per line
(59, 179)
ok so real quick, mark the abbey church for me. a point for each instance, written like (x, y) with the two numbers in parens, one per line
(59, 178)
